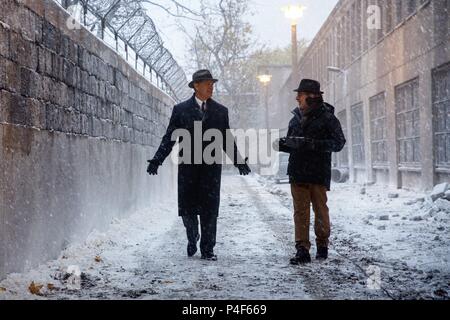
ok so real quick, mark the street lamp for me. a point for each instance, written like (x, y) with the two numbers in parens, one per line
(265, 80)
(335, 69)
(294, 13)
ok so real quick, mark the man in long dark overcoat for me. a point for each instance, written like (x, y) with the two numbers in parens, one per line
(198, 182)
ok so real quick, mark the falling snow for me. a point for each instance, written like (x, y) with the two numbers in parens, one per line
(144, 257)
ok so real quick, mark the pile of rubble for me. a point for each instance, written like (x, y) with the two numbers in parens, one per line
(439, 198)
(435, 205)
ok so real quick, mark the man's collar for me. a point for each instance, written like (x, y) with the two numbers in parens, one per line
(199, 102)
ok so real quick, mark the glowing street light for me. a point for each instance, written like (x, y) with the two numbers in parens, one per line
(294, 13)
(265, 79)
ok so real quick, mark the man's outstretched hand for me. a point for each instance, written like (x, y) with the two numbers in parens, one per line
(152, 168)
(244, 169)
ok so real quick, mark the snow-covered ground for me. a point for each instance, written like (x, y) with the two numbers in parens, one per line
(398, 238)
(381, 248)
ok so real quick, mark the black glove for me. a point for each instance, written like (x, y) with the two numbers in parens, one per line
(279, 144)
(152, 168)
(244, 169)
(298, 142)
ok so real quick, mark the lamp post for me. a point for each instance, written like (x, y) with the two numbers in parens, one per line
(265, 80)
(294, 13)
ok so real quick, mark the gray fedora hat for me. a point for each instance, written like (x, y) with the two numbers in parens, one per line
(201, 75)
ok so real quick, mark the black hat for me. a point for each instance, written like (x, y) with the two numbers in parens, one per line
(308, 85)
(201, 75)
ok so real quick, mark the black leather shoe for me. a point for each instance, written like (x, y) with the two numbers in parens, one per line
(192, 247)
(302, 256)
(209, 257)
(322, 253)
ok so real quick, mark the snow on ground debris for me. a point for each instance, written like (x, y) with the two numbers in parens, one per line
(382, 247)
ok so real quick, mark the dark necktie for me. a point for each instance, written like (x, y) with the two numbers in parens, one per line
(203, 106)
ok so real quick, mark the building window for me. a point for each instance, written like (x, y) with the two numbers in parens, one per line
(378, 131)
(365, 30)
(399, 12)
(348, 33)
(340, 41)
(388, 16)
(359, 27)
(441, 116)
(411, 6)
(354, 33)
(357, 120)
(379, 32)
(408, 123)
(343, 155)
(406, 8)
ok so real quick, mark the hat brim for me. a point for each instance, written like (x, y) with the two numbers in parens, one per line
(191, 84)
(318, 92)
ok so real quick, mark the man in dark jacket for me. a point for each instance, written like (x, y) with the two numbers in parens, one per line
(198, 183)
(314, 133)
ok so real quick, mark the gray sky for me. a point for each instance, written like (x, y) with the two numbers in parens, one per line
(269, 24)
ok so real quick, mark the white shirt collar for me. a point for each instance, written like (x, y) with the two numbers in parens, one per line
(199, 102)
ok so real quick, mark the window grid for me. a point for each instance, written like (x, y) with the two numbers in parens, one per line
(441, 116)
(378, 129)
(357, 120)
(343, 155)
(408, 123)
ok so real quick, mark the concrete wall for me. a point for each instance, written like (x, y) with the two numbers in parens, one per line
(77, 125)
(374, 61)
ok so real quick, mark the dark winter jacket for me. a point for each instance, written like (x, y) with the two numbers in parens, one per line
(198, 184)
(312, 163)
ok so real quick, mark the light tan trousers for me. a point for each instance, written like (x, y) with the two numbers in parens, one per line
(305, 194)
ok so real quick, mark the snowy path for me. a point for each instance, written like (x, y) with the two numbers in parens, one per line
(144, 256)
(403, 247)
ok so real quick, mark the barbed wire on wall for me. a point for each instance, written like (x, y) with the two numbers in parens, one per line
(125, 26)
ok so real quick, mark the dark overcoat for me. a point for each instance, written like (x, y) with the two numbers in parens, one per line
(312, 163)
(198, 184)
